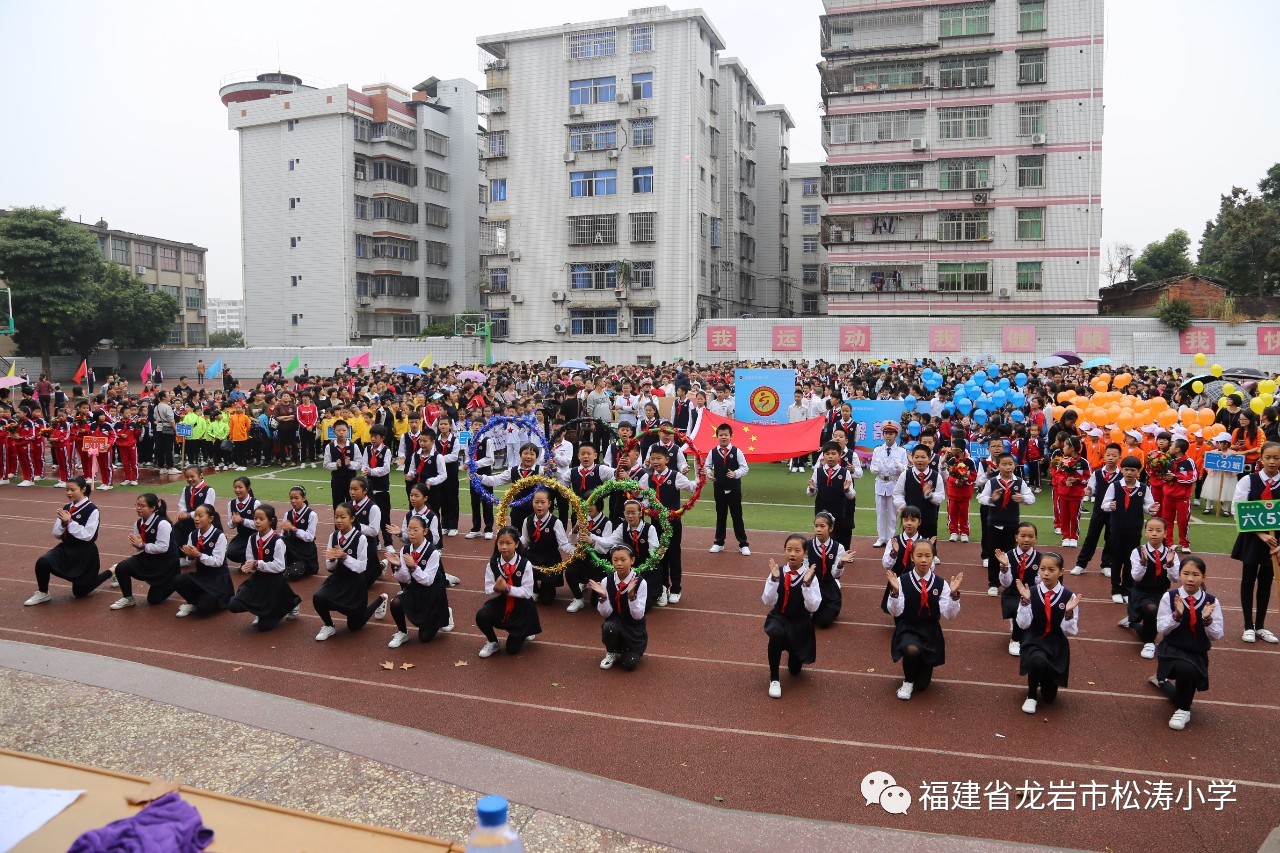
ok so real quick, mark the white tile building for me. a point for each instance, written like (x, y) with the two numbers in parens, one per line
(359, 209)
(225, 315)
(963, 145)
(612, 223)
(804, 210)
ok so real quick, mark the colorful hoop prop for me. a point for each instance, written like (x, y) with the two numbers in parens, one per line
(532, 484)
(607, 488)
(699, 457)
(535, 434)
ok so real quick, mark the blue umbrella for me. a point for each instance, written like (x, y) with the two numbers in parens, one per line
(411, 369)
(574, 364)
(1098, 362)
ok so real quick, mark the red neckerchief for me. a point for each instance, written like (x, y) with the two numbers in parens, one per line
(191, 495)
(635, 540)
(1128, 493)
(620, 589)
(922, 477)
(658, 479)
(293, 516)
(360, 506)
(1008, 491)
(786, 587)
(538, 525)
(416, 556)
(508, 572)
(1266, 488)
(241, 506)
(201, 538)
(342, 451)
(831, 474)
(1157, 560)
(583, 474)
(904, 555)
(343, 540)
(260, 546)
(1109, 477)
(724, 456)
(525, 472)
(821, 547)
(1191, 609)
(147, 525)
(1024, 560)
(924, 591)
(1048, 611)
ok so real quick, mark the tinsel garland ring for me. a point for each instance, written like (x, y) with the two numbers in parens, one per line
(535, 434)
(699, 457)
(663, 516)
(532, 484)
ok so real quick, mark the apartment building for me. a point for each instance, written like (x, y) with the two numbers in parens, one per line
(804, 209)
(621, 184)
(360, 210)
(963, 168)
(226, 315)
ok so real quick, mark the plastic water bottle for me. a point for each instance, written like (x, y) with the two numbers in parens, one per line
(492, 832)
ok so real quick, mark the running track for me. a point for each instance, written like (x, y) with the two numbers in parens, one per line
(695, 721)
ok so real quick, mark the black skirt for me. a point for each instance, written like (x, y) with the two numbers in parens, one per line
(1054, 650)
(831, 595)
(182, 530)
(523, 621)
(927, 635)
(73, 560)
(344, 591)
(155, 569)
(1009, 601)
(301, 558)
(1166, 655)
(1251, 550)
(427, 607)
(214, 582)
(267, 595)
(1140, 595)
(802, 638)
(635, 634)
(238, 547)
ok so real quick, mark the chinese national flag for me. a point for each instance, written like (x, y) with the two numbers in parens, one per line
(82, 372)
(761, 442)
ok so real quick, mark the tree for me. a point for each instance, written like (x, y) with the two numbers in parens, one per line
(1176, 313)
(1163, 259)
(1119, 263)
(50, 265)
(1242, 246)
(227, 340)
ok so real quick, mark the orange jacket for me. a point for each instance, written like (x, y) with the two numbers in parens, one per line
(240, 426)
(1251, 449)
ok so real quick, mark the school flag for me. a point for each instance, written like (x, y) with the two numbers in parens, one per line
(761, 442)
(146, 371)
(360, 360)
(213, 370)
(294, 364)
(426, 362)
(13, 368)
(762, 396)
(82, 372)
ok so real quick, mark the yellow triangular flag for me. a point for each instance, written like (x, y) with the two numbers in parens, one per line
(426, 362)
(13, 368)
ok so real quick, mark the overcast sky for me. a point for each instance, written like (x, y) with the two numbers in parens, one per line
(111, 109)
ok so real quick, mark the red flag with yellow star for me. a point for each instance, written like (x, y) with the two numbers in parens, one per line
(761, 442)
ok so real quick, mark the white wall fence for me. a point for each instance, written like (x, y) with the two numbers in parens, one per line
(1131, 340)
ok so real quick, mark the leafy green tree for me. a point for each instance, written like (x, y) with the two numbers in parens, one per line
(131, 314)
(1163, 259)
(227, 340)
(1242, 246)
(50, 265)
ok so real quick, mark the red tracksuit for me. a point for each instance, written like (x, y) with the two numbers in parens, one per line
(1068, 488)
(1175, 501)
(22, 444)
(104, 459)
(126, 435)
(961, 475)
(60, 443)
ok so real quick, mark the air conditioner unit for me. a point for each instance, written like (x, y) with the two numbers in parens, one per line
(200, 277)
(557, 296)
(516, 298)
(980, 198)
(355, 336)
(1004, 293)
(621, 293)
(200, 313)
(362, 300)
(139, 270)
(928, 81)
(514, 254)
(561, 328)
(570, 156)
(575, 111)
(613, 154)
(624, 325)
(919, 143)
(1038, 139)
(624, 98)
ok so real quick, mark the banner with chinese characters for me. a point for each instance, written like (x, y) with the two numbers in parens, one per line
(1198, 339)
(855, 339)
(1269, 340)
(1093, 339)
(1019, 339)
(722, 338)
(762, 396)
(787, 338)
(871, 415)
(945, 338)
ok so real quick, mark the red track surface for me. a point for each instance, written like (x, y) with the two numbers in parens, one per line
(695, 721)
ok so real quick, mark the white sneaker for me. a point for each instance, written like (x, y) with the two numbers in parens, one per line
(1249, 636)
(381, 612)
(397, 640)
(453, 532)
(294, 613)
(1068, 543)
(745, 551)
(122, 603)
(662, 599)
(1179, 720)
(1148, 651)
(488, 536)
(186, 610)
(993, 591)
(238, 468)
(716, 549)
(1117, 599)
(575, 605)
(474, 534)
(452, 580)
(674, 598)
(954, 537)
(60, 485)
(775, 689)
(1267, 637)
(100, 488)
(879, 543)
(1057, 530)
(488, 650)
(449, 627)
(26, 483)
(1196, 502)
(964, 537)
(1206, 510)
(905, 691)
(608, 660)
(38, 598)
(1186, 549)
(255, 621)
(1123, 623)
(1029, 706)
(1106, 571)
(1078, 570)
(1015, 648)
(325, 633)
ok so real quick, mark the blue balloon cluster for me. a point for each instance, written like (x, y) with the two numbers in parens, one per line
(536, 435)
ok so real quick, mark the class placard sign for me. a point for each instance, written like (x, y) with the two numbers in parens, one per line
(96, 444)
(186, 430)
(1257, 516)
(1230, 462)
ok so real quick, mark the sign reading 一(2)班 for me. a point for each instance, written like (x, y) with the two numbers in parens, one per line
(1230, 462)
(1257, 516)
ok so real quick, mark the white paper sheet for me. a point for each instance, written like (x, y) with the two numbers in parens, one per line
(25, 810)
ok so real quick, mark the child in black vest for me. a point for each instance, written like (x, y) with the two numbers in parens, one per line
(75, 557)
(240, 519)
(1099, 519)
(377, 469)
(987, 470)
(266, 592)
(668, 484)
(299, 530)
(423, 598)
(1128, 500)
(583, 570)
(1020, 565)
(1003, 495)
(728, 465)
(346, 590)
(622, 602)
(831, 487)
(897, 554)
(450, 450)
(1152, 567)
(638, 533)
(1048, 613)
(918, 603)
(543, 541)
(921, 486)
(343, 460)
(510, 476)
(829, 560)
(156, 560)
(509, 579)
(793, 598)
(1190, 620)
(1255, 551)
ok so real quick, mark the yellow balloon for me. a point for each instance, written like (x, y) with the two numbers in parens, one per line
(1201, 359)
(1228, 388)
(1222, 402)
(1257, 405)
(1216, 370)
(1197, 386)
(1267, 386)
(1268, 399)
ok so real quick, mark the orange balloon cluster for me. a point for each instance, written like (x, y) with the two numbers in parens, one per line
(1126, 412)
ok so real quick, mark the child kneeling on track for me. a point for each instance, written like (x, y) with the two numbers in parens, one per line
(509, 579)
(794, 598)
(1047, 614)
(423, 598)
(1190, 620)
(266, 593)
(919, 601)
(623, 595)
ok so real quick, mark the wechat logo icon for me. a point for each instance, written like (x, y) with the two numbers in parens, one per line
(880, 787)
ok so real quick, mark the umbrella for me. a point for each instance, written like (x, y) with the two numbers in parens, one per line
(411, 369)
(472, 376)
(574, 364)
(1244, 373)
(1068, 357)
(10, 381)
(1247, 374)
(1098, 362)
(1052, 361)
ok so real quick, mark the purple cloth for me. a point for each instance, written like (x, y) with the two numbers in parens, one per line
(167, 825)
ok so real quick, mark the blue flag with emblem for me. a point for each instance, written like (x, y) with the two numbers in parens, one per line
(762, 396)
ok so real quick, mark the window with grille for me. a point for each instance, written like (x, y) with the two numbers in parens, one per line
(809, 214)
(809, 244)
(644, 227)
(168, 258)
(811, 187)
(592, 90)
(972, 20)
(437, 215)
(191, 262)
(394, 209)
(437, 289)
(499, 324)
(873, 127)
(870, 79)
(746, 287)
(362, 129)
(493, 144)
(1030, 275)
(593, 137)
(195, 333)
(969, 174)
(1031, 223)
(746, 209)
(435, 143)
(1030, 16)
(887, 177)
(642, 179)
(809, 302)
(716, 228)
(499, 279)
(642, 274)
(593, 276)
(641, 132)
(498, 189)
(361, 169)
(746, 247)
(194, 297)
(1030, 118)
(597, 229)
(964, 277)
(434, 179)
(641, 85)
(642, 38)
(809, 273)
(587, 44)
(406, 324)
(643, 321)
(593, 183)
(436, 253)
(404, 286)
(362, 207)
(962, 73)
(593, 322)
(364, 246)
(956, 225)
(396, 248)
(1032, 66)
(493, 237)
(1031, 171)
(964, 122)
(396, 171)
(120, 251)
